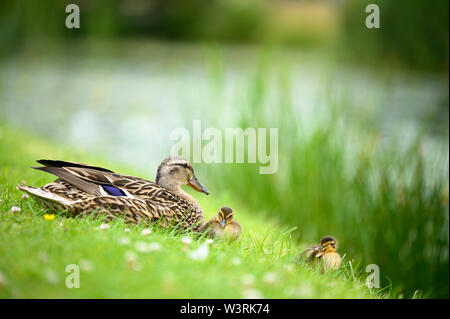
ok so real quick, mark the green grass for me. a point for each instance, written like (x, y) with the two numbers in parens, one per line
(35, 252)
(386, 205)
(337, 175)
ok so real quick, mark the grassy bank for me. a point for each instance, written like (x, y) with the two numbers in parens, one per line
(115, 263)
(383, 197)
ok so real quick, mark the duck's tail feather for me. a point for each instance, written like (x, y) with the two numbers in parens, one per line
(51, 200)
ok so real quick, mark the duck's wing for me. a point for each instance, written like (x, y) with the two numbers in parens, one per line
(86, 179)
(97, 181)
(59, 163)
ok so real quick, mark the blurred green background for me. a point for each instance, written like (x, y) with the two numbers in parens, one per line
(362, 113)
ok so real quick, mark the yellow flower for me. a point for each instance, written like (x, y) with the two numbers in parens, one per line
(49, 216)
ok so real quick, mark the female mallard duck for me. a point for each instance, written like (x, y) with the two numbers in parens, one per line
(84, 189)
(223, 225)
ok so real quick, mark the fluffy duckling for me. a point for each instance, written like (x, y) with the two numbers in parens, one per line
(325, 254)
(223, 225)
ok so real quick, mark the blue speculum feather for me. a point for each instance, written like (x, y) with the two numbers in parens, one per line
(114, 191)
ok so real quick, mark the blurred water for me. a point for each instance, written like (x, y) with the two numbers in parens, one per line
(125, 107)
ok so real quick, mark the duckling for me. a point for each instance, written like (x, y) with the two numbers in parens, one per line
(325, 254)
(223, 225)
(330, 259)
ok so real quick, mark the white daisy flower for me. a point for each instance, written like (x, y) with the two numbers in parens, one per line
(236, 261)
(146, 232)
(248, 280)
(269, 278)
(124, 241)
(104, 226)
(252, 294)
(15, 209)
(186, 240)
(86, 265)
(144, 247)
(200, 253)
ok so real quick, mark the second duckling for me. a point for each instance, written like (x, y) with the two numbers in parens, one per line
(223, 225)
(325, 254)
(328, 255)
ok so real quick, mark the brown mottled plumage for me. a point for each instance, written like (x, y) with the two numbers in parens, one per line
(223, 225)
(325, 254)
(83, 189)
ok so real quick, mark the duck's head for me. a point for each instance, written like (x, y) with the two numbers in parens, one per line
(176, 171)
(224, 216)
(328, 244)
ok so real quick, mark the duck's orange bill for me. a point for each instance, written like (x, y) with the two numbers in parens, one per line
(195, 184)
